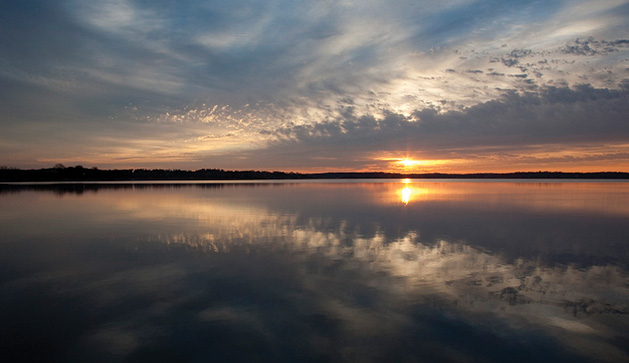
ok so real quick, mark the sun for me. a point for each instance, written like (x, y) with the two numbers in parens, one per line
(408, 163)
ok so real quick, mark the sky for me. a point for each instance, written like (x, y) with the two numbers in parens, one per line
(312, 86)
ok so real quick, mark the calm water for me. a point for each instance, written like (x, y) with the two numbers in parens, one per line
(315, 271)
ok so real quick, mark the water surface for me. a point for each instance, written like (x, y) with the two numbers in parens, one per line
(394, 270)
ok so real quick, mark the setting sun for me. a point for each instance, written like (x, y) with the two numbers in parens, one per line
(407, 163)
(412, 165)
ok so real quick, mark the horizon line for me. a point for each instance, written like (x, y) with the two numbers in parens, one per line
(79, 174)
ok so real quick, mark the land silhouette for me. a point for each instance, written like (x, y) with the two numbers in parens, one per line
(61, 173)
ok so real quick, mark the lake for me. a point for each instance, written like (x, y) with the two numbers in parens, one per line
(343, 270)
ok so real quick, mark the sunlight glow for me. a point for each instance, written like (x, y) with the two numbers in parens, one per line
(407, 163)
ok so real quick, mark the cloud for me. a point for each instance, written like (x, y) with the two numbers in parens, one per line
(519, 115)
(513, 125)
(590, 46)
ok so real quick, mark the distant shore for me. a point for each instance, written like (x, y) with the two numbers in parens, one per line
(79, 174)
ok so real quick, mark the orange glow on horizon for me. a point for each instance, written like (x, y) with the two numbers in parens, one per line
(556, 159)
(410, 165)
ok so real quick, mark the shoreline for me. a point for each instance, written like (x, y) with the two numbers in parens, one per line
(80, 174)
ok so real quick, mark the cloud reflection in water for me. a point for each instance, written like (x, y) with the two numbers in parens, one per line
(566, 301)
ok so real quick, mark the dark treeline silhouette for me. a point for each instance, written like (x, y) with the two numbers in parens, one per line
(79, 173)
(60, 173)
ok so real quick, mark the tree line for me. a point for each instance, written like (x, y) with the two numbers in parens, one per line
(60, 173)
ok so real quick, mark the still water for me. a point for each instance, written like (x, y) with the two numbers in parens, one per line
(361, 271)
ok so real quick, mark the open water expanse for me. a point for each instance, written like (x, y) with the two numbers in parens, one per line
(358, 271)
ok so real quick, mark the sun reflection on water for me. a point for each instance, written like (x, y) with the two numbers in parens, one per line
(408, 193)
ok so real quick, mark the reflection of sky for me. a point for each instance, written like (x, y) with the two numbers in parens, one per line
(340, 264)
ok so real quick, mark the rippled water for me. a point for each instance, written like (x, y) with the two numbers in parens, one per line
(395, 270)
